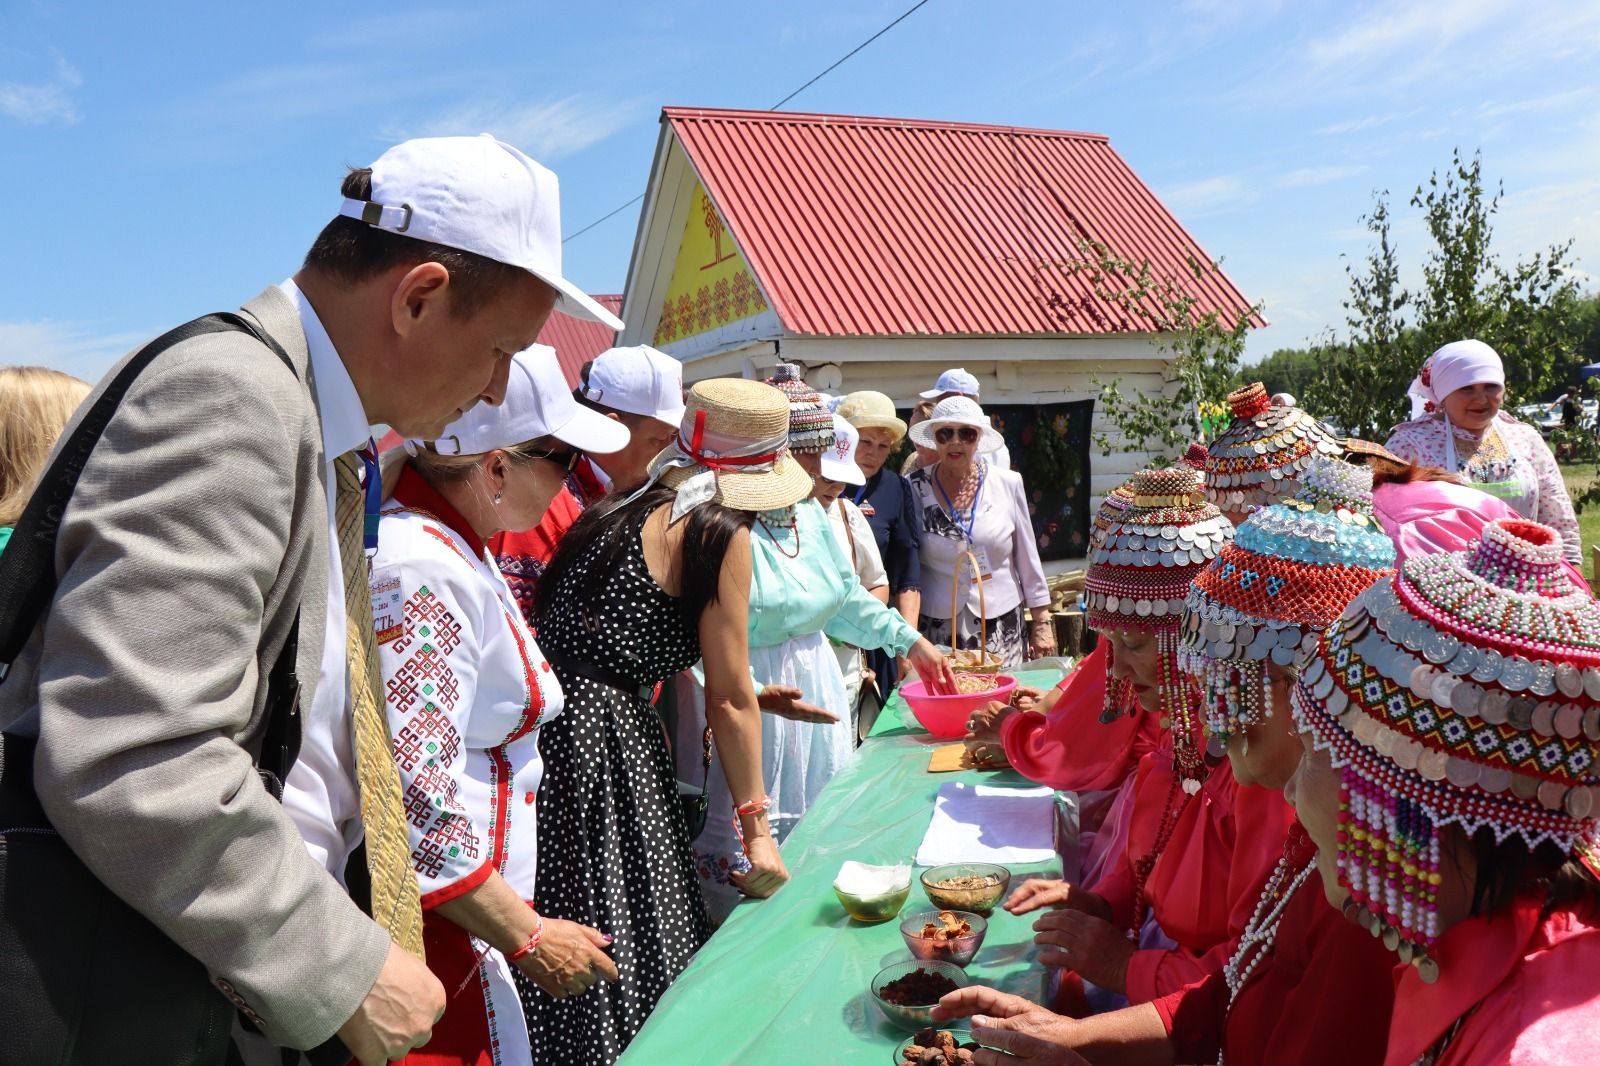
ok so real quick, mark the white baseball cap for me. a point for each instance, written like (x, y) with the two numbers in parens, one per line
(839, 461)
(953, 380)
(537, 404)
(640, 381)
(479, 195)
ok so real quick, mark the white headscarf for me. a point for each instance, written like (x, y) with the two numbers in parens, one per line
(1457, 365)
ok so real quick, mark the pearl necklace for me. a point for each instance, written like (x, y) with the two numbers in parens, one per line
(1255, 943)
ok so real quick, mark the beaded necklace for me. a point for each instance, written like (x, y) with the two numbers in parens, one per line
(1294, 868)
(793, 523)
(1143, 865)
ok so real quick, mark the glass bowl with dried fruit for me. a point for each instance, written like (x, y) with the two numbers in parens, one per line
(949, 936)
(907, 992)
(937, 1047)
(966, 886)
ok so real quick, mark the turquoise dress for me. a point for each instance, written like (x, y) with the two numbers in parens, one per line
(796, 604)
(5, 535)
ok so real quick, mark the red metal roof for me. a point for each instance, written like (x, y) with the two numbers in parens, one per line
(876, 226)
(578, 340)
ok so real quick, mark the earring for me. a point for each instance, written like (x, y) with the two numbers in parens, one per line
(497, 498)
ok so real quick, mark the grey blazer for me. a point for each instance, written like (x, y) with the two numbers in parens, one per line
(198, 527)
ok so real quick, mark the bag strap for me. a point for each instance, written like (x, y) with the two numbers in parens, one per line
(27, 566)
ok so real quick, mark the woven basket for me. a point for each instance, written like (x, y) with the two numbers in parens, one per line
(979, 660)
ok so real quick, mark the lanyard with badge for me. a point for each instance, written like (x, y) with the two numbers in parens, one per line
(972, 519)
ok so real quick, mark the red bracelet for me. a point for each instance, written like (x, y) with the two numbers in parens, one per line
(533, 941)
(755, 806)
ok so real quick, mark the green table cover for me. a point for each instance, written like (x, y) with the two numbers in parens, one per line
(791, 972)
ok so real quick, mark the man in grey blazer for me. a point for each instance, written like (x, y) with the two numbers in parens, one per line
(198, 529)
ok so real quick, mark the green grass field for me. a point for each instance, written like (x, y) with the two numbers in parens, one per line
(1579, 477)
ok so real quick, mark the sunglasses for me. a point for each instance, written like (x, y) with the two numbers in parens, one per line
(945, 434)
(564, 457)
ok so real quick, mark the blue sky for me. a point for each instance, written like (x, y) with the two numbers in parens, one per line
(161, 160)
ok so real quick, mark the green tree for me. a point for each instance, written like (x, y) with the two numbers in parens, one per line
(1203, 352)
(1290, 370)
(1530, 312)
(1360, 384)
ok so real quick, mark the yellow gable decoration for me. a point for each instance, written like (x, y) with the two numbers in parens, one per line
(711, 282)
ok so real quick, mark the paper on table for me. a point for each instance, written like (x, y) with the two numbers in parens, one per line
(986, 823)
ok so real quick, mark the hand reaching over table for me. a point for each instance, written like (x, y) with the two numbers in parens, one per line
(1036, 893)
(932, 668)
(984, 750)
(1088, 945)
(786, 701)
(1011, 1029)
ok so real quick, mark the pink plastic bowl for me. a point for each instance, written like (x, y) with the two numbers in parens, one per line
(946, 716)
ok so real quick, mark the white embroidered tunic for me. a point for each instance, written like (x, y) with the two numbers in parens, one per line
(466, 689)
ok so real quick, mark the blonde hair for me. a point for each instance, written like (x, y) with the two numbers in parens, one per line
(35, 405)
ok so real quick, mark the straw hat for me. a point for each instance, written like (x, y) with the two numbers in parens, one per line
(737, 421)
(871, 410)
(1263, 448)
(1465, 689)
(956, 411)
(1289, 573)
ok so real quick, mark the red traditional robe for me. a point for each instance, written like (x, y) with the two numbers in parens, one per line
(1528, 989)
(1070, 748)
(1321, 997)
(1204, 886)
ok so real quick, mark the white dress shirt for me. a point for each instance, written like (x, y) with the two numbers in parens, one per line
(322, 795)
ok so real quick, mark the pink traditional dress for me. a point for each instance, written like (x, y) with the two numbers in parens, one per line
(1465, 691)
(467, 689)
(1513, 988)
(1509, 461)
(1301, 972)
(1198, 844)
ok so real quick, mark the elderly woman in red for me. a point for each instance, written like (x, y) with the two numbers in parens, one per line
(1199, 844)
(1452, 727)
(1298, 967)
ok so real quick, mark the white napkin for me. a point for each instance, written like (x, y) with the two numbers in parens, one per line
(984, 823)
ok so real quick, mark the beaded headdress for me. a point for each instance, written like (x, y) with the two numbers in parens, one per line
(810, 421)
(1265, 446)
(1196, 455)
(1465, 690)
(1138, 577)
(1118, 693)
(1291, 570)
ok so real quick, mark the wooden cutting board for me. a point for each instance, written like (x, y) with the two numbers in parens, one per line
(945, 758)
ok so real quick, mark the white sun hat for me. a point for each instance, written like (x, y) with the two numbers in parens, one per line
(638, 380)
(957, 411)
(954, 380)
(538, 403)
(478, 195)
(839, 461)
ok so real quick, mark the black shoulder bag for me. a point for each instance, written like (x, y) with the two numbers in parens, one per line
(59, 925)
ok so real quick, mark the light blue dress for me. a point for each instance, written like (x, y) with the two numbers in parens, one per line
(795, 605)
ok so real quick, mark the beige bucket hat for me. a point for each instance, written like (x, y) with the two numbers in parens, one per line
(732, 448)
(871, 410)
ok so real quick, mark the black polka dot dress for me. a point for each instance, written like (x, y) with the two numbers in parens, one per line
(613, 843)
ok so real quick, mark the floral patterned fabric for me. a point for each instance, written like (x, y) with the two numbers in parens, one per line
(1510, 461)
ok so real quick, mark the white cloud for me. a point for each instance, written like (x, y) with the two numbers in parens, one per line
(73, 348)
(1366, 122)
(546, 129)
(1305, 177)
(1404, 29)
(1208, 196)
(37, 103)
(1553, 102)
